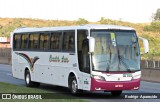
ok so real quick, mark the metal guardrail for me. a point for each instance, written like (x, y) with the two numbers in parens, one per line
(150, 64)
(5, 56)
(5, 52)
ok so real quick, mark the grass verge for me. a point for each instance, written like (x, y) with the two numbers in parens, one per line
(9, 88)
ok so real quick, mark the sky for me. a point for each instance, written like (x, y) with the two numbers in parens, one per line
(135, 11)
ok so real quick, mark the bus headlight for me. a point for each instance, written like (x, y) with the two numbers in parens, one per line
(136, 76)
(98, 77)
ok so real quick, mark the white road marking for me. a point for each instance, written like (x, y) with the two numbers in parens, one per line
(9, 74)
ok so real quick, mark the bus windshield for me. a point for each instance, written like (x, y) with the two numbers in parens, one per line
(115, 51)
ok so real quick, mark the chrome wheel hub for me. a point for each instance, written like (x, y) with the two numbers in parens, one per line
(27, 79)
(74, 86)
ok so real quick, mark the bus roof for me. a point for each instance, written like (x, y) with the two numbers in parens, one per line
(87, 26)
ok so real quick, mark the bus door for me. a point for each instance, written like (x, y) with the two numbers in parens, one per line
(83, 58)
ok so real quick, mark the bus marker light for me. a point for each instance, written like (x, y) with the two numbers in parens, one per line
(136, 88)
(97, 88)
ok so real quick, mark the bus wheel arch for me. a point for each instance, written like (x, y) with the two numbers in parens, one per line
(71, 74)
(27, 77)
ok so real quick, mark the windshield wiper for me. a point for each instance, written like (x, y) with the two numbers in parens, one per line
(123, 62)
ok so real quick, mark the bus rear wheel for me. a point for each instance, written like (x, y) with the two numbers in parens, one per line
(28, 81)
(116, 93)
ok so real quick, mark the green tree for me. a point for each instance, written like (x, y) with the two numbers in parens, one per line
(82, 21)
(154, 27)
(102, 20)
(107, 21)
(157, 15)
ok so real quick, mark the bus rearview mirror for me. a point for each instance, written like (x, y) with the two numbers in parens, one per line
(91, 44)
(145, 45)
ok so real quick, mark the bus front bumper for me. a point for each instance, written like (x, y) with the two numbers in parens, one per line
(99, 85)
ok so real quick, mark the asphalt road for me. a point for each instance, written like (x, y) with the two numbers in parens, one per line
(146, 87)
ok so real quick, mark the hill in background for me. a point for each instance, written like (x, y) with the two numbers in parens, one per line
(150, 31)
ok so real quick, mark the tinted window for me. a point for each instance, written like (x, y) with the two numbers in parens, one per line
(33, 41)
(56, 40)
(69, 41)
(44, 41)
(24, 41)
(17, 39)
(83, 49)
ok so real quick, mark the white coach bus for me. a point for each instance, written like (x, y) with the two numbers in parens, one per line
(85, 57)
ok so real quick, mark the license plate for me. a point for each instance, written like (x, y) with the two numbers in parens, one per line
(127, 75)
(119, 85)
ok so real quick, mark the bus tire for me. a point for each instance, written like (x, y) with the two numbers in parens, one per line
(116, 93)
(73, 86)
(28, 81)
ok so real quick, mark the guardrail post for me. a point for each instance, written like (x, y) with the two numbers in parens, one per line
(146, 63)
(154, 64)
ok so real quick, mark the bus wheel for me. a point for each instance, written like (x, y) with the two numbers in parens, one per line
(28, 81)
(116, 93)
(73, 86)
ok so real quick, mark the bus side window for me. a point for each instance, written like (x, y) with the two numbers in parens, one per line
(33, 41)
(44, 41)
(69, 41)
(24, 41)
(83, 49)
(85, 56)
(56, 40)
(17, 39)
